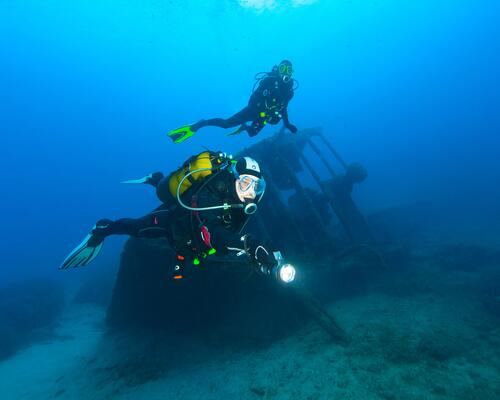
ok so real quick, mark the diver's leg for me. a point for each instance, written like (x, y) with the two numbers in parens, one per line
(152, 179)
(183, 133)
(239, 118)
(153, 225)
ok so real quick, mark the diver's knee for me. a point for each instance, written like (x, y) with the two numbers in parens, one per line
(226, 123)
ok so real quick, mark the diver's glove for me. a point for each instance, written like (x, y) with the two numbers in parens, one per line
(258, 254)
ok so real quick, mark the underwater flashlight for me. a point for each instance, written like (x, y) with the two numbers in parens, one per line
(285, 272)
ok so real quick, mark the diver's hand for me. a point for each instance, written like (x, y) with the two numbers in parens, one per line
(292, 128)
(267, 268)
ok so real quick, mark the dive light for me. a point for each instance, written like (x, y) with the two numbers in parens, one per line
(283, 271)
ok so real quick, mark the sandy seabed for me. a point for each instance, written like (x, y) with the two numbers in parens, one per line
(420, 347)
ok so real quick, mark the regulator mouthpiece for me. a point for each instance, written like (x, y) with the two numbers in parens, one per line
(250, 208)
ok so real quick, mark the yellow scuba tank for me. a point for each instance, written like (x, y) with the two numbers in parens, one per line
(201, 161)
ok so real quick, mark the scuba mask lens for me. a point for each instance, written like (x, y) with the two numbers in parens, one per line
(260, 187)
(247, 183)
(286, 69)
(253, 188)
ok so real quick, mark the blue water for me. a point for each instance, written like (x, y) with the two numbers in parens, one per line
(88, 90)
(411, 89)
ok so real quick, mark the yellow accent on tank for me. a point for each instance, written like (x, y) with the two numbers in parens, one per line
(203, 160)
(262, 114)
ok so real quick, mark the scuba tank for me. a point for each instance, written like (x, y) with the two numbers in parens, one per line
(204, 163)
(195, 169)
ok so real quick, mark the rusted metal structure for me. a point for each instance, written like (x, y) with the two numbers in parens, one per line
(309, 194)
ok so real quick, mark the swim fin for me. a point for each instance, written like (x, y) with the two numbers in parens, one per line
(180, 134)
(87, 250)
(151, 179)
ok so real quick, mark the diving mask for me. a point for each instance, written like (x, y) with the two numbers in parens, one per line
(250, 190)
(251, 186)
(285, 69)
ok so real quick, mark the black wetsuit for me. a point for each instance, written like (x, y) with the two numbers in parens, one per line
(268, 104)
(192, 234)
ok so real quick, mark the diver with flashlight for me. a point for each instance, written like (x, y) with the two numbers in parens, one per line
(206, 205)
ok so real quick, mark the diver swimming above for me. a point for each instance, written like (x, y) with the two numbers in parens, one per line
(206, 205)
(268, 104)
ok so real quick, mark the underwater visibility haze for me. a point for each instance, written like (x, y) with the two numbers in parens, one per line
(392, 221)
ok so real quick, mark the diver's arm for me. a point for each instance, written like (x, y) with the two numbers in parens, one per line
(221, 238)
(284, 113)
(259, 254)
(227, 242)
(286, 122)
(267, 262)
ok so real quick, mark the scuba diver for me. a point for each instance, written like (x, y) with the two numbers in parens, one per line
(268, 104)
(205, 206)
